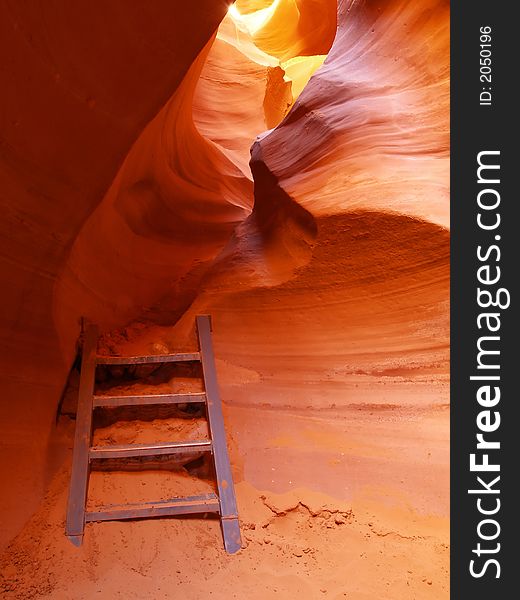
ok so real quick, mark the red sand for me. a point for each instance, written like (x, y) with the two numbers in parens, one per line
(384, 539)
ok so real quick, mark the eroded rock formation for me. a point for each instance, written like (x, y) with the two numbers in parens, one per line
(323, 259)
(79, 84)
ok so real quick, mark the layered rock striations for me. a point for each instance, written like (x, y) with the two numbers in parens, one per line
(79, 83)
(323, 257)
(345, 255)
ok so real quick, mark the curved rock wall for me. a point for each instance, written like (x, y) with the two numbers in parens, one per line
(357, 175)
(331, 298)
(186, 184)
(324, 263)
(378, 111)
(79, 82)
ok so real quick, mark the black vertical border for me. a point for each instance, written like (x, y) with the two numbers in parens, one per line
(476, 128)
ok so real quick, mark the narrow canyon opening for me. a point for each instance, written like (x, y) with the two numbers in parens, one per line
(283, 166)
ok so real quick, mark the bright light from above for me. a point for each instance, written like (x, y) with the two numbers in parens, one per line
(252, 22)
(270, 36)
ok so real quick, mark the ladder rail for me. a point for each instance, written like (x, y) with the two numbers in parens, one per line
(226, 489)
(82, 439)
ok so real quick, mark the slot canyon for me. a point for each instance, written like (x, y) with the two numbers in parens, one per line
(280, 165)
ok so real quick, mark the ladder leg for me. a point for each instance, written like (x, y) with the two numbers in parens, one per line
(80, 458)
(226, 490)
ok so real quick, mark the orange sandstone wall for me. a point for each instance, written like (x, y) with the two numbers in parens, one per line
(186, 183)
(79, 82)
(333, 295)
(126, 180)
(351, 210)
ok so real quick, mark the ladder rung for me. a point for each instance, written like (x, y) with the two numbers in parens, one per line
(137, 450)
(142, 360)
(149, 399)
(162, 508)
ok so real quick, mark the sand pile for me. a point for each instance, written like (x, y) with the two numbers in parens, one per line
(368, 538)
(300, 544)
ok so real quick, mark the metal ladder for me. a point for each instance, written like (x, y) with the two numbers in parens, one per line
(223, 503)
